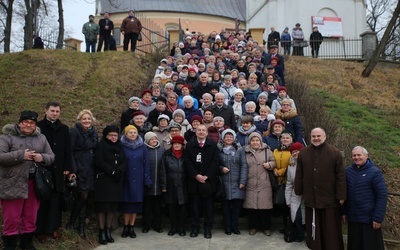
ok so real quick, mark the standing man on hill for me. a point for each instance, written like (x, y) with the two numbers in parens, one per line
(320, 178)
(90, 30)
(131, 28)
(273, 37)
(57, 134)
(315, 41)
(106, 26)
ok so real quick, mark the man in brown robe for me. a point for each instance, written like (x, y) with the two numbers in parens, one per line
(320, 178)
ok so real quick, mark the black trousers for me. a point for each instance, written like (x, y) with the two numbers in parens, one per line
(152, 216)
(105, 40)
(231, 212)
(260, 218)
(197, 204)
(177, 214)
(314, 51)
(130, 37)
(49, 214)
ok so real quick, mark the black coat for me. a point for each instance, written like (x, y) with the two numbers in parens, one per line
(316, 39)
(273, 39)
(110, 164)
(208, 166)
(267, 60)
(227, 113)
(154, 114)
(156, 171)
(57, 134)
(174, 179)
(126, 117)
(102, 23)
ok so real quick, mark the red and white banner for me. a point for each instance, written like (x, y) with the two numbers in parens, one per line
(328, 26)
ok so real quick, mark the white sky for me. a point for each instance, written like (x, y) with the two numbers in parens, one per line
(76, 13)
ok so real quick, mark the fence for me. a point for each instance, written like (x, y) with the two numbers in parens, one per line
(336, 49)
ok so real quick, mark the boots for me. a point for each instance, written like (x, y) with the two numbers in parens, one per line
(10, 242)
(81, 227)
(72, 219)
(25, 241)
(108, 235)
(132, 233)
(125, 231)
(102, 237)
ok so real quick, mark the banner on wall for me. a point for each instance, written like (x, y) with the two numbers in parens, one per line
(328, 26)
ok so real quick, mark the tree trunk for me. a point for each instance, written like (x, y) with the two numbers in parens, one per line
(28, 28)
(60, 39)
(381, 47)
(7, 28)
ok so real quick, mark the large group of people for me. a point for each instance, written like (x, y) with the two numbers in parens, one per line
(218, 122)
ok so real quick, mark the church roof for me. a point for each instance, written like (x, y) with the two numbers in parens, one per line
(224, 8)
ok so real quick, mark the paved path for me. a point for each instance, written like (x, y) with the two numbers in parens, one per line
(154, 240)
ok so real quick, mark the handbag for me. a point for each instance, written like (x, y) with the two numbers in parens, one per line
(289, 233)
(43, 182)
(271, 174)
(139, 38)
(304, 44)
(279, 195)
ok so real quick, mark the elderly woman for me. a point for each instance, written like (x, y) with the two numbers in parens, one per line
(238, 102)
(168, 88)
(234, 178)
(262, 100)
(189, 109)
(245, 129)
(179, 117)
(214, 132)
(147, 104)
(289, 116)
(208, 117)
(137, 176)
(295, 202)
(174, 184)
(152, 214)
(172, 103)
(186, 92)
(84, 140)
(22, 147)
(282, 94)
(161, 130)
(207, 102)
(298, 39)
(159, 110)
(258, 199)
(110, 164)
(126, 116)
(250, 108)
(139, 120)
(272, 139)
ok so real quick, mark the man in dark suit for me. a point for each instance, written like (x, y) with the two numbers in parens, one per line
(201, 161)
(273, 38)
(106, 26)
(273, 52)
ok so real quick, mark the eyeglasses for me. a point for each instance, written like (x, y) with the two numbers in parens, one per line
(28, 122)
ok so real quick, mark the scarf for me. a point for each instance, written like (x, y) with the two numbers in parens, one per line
(229, 150)
(247, 132)
(284, 147)
(131, 144)
(253, 87)
(177, 153)
(237, 108)
(172, 107)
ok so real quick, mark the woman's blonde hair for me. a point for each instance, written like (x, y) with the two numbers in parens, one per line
(83, 112)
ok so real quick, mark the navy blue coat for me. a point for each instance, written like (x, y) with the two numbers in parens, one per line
(137, 172)
(237, 174)
(272, 141)
(156, 172)
(366, 194)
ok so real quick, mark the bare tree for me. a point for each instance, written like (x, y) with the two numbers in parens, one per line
(7, 5)
(382, 44)
(60, 39)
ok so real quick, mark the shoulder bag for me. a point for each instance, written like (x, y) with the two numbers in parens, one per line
(43, 182)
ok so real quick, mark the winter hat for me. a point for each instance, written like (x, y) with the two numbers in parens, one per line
(179, 111)
(148, 136)
(262, 94)
(239, 91)
(28, 115)
(164, 61)
(136, 113)
(178, 139)
(230, 131)
(218, 118)
(201, 64)
(162, 99)
(129, 127)
(146, 91)
(162, 116)
(255, 134)
(109, 129)
(133, 98)
(278, 121)
(207, 95)
(242, 74)
(173, 124)
(270, 117)
(296, 146)
(197, 118)
(192, 70)
(282, 88)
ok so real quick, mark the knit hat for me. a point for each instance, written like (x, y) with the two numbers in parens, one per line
(179, 111)
(28, 115)
(242, 74)
(109, 129)
(218, 118)
(162, 99)
(281, 88)
(278, 121)
(178, 139)
(173, 124)
(192, 70)
(296, 146)
(274, 58)
(262, 94)
(136, 113)
(146, 91)
(239, 91)
(129, 127)
(164, 61)
(197, 118)
(255, 134)
(207, 95)
(162, 116)
(230, 131)
(133, 98)
(148, 136)
(201, 64)
(180, 81)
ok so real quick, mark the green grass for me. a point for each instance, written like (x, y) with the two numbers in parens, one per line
(373, 128)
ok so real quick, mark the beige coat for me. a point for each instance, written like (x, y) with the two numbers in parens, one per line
(258, 188)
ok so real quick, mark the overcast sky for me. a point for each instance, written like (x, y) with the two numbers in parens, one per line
(76, 13)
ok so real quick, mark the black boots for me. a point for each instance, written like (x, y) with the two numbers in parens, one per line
(25, 241)
(9, 242)
(125, 231)
(132, 233)
(72, 219)
(108, 236)
(81, 227)
(102, 237)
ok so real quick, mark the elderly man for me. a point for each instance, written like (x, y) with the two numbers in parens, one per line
(201, 161)
(273, 37)
(365, 206)
(273, 52)
(131, 28)
(223, 110)
(22, 149)
(106, 27)
(202, 87)
(320, 178)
